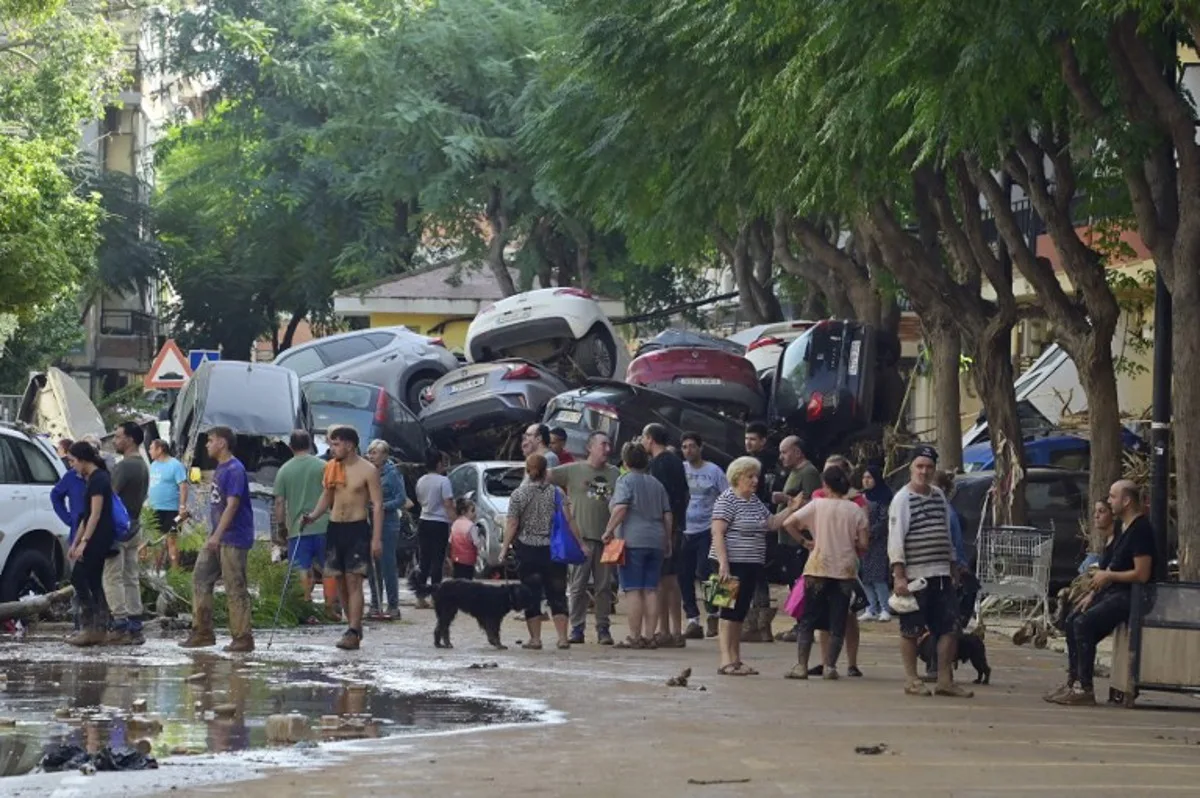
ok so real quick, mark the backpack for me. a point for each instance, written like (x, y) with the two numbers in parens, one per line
(122, 525)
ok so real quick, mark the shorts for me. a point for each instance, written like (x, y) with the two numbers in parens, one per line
(642, 568)
(166, 521)
(306, 550)
(938, 613)
(347, 548)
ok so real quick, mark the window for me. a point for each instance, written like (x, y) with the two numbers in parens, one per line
(792, 375)
(462, 481)
(380, 339)
(303, 361)
(1071, 459)
(343, 349)
(1051, 495)
(37, 464)
(10, 470)
(409, 434)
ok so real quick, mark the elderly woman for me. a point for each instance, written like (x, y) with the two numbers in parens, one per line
(527, 532)
(384, 575)
(740, 525)
(641, 516)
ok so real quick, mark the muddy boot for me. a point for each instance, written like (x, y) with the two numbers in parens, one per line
(710, 626)
(241, 645)
(765, 617)
(118, 637)
(694, 630)
(87, 636)
(750, 626)
(202, 631)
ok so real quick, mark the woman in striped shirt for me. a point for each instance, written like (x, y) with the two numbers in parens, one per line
(740, 525)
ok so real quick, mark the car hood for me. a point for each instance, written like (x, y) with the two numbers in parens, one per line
(55, 404)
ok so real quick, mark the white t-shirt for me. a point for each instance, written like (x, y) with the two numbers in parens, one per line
(432, 492)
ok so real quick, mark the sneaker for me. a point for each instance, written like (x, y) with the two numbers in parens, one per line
(885, 616)
(603, 636)
(1058, 692)
(867, 615)
(816, 670)
(350, 641)
(830, 675)
(199, 640)
(854, 672)
(1077, 697)
(394, 613)
(797, 672)
(694, 630)
(710, 626)
(678, 641)
(118, 637)
(576, 638)
(240, 645)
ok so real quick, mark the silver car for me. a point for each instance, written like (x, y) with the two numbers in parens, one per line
(394, 358)
(488, 484)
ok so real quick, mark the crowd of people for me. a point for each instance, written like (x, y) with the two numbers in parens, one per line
(655, 528)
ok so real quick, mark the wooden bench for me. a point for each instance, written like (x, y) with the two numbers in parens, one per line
(1159, 648)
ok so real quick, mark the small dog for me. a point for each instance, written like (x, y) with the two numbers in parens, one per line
(971, 648)
(487, 604)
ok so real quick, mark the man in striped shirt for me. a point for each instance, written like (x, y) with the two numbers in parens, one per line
(919, 547)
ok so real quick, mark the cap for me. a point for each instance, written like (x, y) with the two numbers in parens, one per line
(925, 450)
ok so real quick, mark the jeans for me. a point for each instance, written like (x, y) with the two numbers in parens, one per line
(229, 566)
(877, 597)
(694, 566)
(601, 577)
(385, 569)
(433, 538)
(122, 587)
(1085, 629)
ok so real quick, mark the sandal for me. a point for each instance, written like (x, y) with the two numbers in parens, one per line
(746, 669)
(563, 644)
(736, 669)
(631, 642)
(916, 688)
(532, 645)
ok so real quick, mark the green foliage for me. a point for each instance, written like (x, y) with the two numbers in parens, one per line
(43, 339)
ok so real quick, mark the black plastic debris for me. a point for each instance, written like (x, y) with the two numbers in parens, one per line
(59, 757)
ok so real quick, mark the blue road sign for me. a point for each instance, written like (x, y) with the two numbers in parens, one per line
(198, 356)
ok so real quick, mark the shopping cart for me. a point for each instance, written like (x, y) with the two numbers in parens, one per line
(1013, 568)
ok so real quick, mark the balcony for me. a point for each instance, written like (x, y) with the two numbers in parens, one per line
(127, 341)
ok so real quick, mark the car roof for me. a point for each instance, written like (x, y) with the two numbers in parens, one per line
(486, 465)
(327, 381)
(396, 329)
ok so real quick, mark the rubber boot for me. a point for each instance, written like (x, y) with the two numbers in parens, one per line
(202, 628)
(750, 626)
(765, 617)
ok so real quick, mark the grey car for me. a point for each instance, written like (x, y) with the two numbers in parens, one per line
(394, 358)
(488, 484)
(478, 410)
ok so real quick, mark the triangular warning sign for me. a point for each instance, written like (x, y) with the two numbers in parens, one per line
(170, 368)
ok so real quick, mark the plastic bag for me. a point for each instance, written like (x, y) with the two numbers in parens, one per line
(794, 605)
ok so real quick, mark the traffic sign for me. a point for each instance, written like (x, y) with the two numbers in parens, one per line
(198, 356)
(170, 368)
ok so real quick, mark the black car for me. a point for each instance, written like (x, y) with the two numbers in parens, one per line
(1055, 499)
(623, 410)
(838, 382)
(372, 412)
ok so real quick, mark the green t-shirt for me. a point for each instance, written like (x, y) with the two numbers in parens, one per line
(589, 490)
(299, 484)
(805, 479)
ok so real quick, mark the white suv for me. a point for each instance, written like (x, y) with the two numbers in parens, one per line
(33, 541)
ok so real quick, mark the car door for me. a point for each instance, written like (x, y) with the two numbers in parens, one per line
(18, 500)
(1054, 501)
(404, 433)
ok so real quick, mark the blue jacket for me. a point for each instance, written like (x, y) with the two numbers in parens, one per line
(67, 497)
(394, 497)
(956, 535)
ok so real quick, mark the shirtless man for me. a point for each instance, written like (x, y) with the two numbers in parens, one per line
(351, 540)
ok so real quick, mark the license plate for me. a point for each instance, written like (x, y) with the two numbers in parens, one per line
(699, 381)
(467, 385)
(855, 348)
(568, 417)
(520, 314)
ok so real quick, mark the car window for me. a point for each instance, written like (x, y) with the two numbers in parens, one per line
(10, 471)
(502, 481)
(303, 362)
(344, 349)
(462, 481)
(408, 432)
(793, 374)
(341, 394)
(37, 465)
(379, 339)
(1051, 496)
(1071, 459)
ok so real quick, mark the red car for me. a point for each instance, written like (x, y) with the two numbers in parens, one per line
(717, 379)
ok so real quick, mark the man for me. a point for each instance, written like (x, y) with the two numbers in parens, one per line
(558, 445)
(919, 547)
(800, 477)
(756, 446)
(298, 486)
(589, 486)
(351, 541)
(706, 481)
(537, 441)
(226, 549)
(1108, 605)
(122, 581)
(168, 496)
(667, 468)
(968, 585)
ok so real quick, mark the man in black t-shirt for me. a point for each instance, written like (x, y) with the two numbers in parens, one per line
(667, 467)
(1108, 605)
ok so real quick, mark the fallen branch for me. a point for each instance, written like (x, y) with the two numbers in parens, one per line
(718, 781)
(38, 605)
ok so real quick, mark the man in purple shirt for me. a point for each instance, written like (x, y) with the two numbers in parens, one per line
(224, 554)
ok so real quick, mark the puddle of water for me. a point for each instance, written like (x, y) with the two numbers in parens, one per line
(212, 705)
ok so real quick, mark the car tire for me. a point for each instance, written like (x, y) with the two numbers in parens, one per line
(596, 354)
(25, 566)
(416, 387)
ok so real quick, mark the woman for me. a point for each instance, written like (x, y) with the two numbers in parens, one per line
(641, 516)
(875, 561)
(436, 498)
(167, 498)
(839, 536)
(92, 544)
(527, 532)
(740, 524)
(384, 574)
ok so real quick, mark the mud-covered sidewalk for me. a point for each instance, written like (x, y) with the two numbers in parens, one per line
(609, 726)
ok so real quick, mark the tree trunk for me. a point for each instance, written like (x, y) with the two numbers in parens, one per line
(498, 220)
(289, 332)
(1098, 377)
(35, 606)
(946, 347)
(993, 375)
(1185, 410)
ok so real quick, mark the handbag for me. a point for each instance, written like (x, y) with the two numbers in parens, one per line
(794, 605)
(614, 552)
(721, 592)
(564, 547)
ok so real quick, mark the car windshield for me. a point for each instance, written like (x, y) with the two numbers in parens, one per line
(793, 374)
(502, 482)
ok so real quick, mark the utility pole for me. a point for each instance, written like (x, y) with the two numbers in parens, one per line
(1160, 426)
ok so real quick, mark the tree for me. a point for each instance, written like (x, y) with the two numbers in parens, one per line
(43, 339)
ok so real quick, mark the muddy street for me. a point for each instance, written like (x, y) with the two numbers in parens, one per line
(590, 721)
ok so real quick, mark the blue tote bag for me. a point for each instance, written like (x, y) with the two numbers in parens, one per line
(563, 545)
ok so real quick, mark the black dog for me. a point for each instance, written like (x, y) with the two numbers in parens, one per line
(971, 649)
(486, 603)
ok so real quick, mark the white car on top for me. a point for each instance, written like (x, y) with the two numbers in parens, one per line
(564, 329)
(766, 343)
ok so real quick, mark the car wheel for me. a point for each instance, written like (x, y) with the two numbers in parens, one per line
(596, 354)
(28, 571)
(418, 397)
